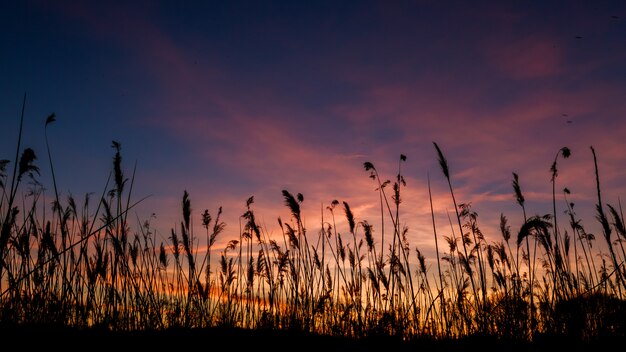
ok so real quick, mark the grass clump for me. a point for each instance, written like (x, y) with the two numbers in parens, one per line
(84, 266)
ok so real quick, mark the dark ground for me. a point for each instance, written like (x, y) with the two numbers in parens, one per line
(42, 337)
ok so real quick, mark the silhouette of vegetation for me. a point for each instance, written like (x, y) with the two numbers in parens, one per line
(82, 267)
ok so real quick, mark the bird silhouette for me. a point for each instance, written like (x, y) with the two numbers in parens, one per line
(566, 115)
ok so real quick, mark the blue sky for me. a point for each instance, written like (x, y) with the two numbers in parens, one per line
(232, 99)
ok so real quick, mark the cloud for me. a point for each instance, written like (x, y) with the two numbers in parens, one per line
(529, 57)
(305, 119)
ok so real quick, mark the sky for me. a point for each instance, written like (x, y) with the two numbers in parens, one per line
(232, 99)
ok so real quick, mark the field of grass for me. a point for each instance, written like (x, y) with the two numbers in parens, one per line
(79, 269)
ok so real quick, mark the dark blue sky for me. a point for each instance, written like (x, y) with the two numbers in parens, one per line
(231, 99)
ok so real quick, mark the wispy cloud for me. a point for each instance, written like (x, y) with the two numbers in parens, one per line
(299, 103)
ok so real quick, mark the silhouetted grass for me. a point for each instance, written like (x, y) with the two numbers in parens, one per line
(80, 269)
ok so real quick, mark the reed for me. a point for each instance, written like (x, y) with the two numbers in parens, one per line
(86, 264)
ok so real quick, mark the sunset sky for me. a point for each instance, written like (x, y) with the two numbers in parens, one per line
(232, 99)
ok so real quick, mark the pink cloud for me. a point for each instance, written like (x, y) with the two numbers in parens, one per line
(525, 58)
(485, 140)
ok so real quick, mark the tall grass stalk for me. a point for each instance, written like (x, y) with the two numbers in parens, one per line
(441, 294)
(88, 265)
(466, 258)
